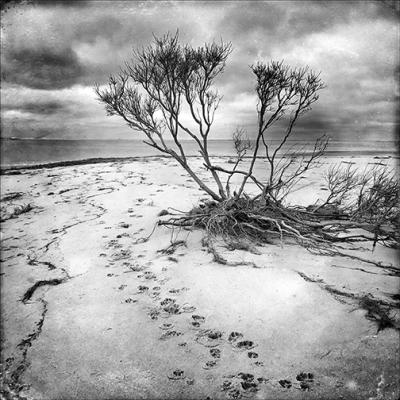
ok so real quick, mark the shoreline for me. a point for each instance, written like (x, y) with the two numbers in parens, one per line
(6, 169)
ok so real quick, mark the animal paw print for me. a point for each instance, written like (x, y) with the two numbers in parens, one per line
(210, 364)
(177, 374)
(215, 353)
(285, 383)
(197, 321)
(169, 334)
(244, 345)
(306, 380)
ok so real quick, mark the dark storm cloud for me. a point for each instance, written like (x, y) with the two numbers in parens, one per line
(44, 108)
(50, 48)
(60, 3)
(42, 68)
(9, 4)
(317, 121)
(266, 23)
(61, 46)
(388, 8)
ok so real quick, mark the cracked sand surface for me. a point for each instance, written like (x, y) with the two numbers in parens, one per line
(106, 316)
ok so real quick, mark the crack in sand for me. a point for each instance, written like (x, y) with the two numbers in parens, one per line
(34, 261)
(13, 385)
(63, 230)
(51, 282)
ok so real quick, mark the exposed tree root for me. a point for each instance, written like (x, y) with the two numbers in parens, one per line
(218, 258)
(264, 221)
(394, 271)
(378, 311)
(363, 270)
(172, 247)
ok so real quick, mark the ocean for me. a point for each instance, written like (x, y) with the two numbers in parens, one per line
(31, 151)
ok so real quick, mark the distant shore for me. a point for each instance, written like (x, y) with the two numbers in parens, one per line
(6, 169)
(45, 153)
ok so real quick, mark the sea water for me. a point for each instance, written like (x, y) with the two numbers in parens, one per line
(31, 151)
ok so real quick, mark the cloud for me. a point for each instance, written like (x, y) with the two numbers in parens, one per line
(55, 51)
(65, 113)
(46, 46)
(42, 68)
(42, 108)
(60, 3)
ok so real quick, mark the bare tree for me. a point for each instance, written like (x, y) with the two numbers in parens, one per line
(164, 79)
(282, 90)
(283, 94)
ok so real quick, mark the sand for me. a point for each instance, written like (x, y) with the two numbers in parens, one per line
(90, 311)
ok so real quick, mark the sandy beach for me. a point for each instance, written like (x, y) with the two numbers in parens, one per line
(91, 310)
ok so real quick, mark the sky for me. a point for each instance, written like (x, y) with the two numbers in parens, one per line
(53, 52)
